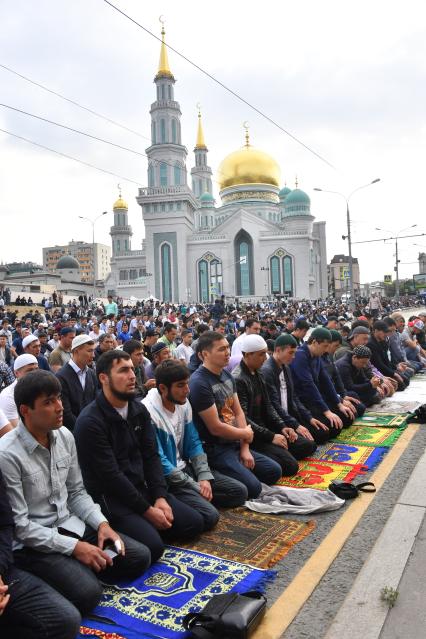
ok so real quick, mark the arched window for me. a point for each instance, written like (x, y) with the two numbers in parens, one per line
(203, 280)
(288, 275)
(275, 275)
(215, 278)
(163, 130)
(177, 174)
(169, 91)
(126, 245)
(163, 90)
(174, 131)
(118, 245)
(166, 272)
(153, 133)
(124, 275)
(141, 272)
(163, 174)
(133, 274)
(243, 246)
(150, 175)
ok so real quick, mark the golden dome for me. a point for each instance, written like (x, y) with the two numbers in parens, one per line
(120, 204)
(248, 166)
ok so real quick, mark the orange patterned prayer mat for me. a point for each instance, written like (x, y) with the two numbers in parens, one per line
(252, 538)
(93, 632)
(319, 474)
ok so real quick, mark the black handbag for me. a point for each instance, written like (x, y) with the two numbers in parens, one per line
(228, 616)
(346, 490)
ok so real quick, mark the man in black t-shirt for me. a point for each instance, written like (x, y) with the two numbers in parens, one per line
(221, 422)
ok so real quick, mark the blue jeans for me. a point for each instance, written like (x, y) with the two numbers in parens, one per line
(76, 581)
(226, 459)
(37, 611)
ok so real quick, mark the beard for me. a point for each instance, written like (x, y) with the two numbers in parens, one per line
(121, 395)
(173, 400)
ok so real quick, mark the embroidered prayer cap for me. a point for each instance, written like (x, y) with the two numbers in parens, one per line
(253, 343)
(158, 347)
(285, 340)
(24, 360)
(361, 352)
(419, 325)
(359, 330)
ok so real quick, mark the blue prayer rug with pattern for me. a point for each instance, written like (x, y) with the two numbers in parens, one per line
(155, 604)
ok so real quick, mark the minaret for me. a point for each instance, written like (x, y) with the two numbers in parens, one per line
(121, 232)
(201, 173)
(167, 155)
(168, 204)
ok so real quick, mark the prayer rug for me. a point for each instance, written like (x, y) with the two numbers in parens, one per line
(395, 407)
(369, 436)
(384, 420)
(318, 474)
(258, 539)
(368, 456)
(155, 604)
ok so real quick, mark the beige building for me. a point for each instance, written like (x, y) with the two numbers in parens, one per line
(97, 265)
(338, 276)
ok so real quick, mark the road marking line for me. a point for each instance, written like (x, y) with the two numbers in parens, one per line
(291, 600)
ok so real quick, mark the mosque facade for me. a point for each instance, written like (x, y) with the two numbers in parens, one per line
(259, 241)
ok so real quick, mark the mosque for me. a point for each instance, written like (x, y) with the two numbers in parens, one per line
(260, 241)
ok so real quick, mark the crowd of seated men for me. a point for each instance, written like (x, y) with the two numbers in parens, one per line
(107, 454)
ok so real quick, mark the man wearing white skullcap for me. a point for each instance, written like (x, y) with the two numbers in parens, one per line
(22, 365)
(271, 435)
(31, 345)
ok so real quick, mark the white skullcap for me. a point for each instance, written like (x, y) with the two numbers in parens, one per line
(24, 360)
(80, 340)
(28, 339)
(253, 343)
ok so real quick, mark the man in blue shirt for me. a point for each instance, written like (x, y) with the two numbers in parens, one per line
(221, 422)
(315, 388)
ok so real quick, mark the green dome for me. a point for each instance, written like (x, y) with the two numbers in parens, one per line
(297, 196)
(284, 192)
(207, 197)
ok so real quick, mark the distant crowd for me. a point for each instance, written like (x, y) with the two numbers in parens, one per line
(124, 428)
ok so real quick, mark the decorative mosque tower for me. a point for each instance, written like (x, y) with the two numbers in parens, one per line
(120, 232)
(201, 173)
(258, 241)
(168, 204)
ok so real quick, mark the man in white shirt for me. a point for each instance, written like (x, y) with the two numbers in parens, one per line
(23, 365)
(252, 327)
(184, 350)
(5, 425)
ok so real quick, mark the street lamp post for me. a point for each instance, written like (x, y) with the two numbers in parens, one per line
(348, 225)
(266, 269)
(396, 254)
(93, 222)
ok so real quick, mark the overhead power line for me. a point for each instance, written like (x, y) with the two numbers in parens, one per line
(224, 86)
(90, 136)
(70, 128)
(70, 157)
(73, 102)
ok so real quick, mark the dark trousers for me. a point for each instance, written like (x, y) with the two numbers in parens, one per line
(187, 523)
(227, 493)
(77, 582)
(321, 436)
(37, 611)
(226, 459)
(287, 459)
